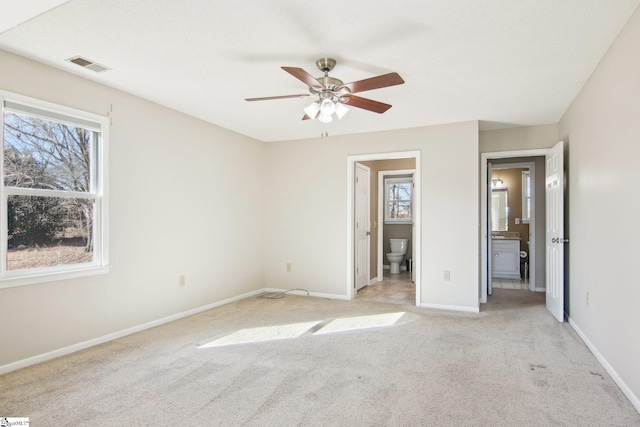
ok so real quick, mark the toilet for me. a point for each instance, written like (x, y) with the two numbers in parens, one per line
(398, 251)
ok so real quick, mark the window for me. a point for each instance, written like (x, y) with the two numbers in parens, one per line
(52, 198)
(526, 197)
(398, 200)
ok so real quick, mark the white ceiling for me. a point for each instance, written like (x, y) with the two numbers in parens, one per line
(505, 62)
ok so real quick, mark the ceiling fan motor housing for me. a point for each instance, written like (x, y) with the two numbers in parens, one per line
(325, 64)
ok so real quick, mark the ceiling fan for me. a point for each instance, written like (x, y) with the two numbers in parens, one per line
(333, 94)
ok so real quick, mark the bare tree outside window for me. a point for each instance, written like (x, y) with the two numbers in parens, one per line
(48, 228)
(398, 199)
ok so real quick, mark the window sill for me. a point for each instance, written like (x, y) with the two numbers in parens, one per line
(32, 279)
(390, 222)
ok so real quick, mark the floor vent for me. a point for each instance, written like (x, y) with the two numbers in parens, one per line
(88, 64)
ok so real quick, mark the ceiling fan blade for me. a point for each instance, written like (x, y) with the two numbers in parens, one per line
(367, 104)
(303, 76)
(267, 98)
(384, 80)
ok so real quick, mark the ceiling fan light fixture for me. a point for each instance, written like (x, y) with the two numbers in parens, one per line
(312, 110)
(327, 107)
(341, 110)
(324, 118)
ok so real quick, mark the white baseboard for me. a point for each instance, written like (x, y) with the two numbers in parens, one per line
(540, 289)
(311, 294)
(452, 307)
(607, 366)
(13, 366)
(374, 280)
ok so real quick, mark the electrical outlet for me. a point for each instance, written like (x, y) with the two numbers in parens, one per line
(587, 297)
(182, 280)
(289, 267)
(446, 276)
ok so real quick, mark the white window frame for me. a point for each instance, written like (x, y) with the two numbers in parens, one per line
(526, 196)
(387, 213)
(99, 168)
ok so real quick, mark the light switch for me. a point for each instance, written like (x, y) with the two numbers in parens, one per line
(517, 221)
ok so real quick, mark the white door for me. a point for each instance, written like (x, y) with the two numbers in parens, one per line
(361, 226)
(414, 260)
(554, 173)
(489, 230)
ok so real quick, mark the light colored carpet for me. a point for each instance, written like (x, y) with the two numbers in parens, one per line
(511, 365)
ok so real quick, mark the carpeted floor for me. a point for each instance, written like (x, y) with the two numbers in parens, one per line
(510, 365)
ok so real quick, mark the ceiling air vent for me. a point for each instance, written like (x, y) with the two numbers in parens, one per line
(88, 64)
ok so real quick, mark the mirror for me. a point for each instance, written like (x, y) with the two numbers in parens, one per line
(499, 210)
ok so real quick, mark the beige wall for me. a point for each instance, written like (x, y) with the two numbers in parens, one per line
(308, 178)
(183, 200)
(602, 130)
(520, 138)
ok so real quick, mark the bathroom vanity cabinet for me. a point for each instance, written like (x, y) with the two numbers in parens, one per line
(505, 259)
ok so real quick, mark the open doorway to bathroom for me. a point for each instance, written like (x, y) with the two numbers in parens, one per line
(395, 176)
(512, 225)
(514, 217)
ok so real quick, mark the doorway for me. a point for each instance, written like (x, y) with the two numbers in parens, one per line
(533, 159)
(515, 222)
(554, 238)
(381, 162)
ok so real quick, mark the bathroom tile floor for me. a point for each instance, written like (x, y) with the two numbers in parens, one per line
(394, 289)
(510, 284)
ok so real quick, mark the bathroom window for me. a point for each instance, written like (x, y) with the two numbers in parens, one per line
(526, 197)
(398, 200)
(52, 193)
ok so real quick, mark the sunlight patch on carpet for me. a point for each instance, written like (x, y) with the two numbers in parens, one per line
(295, 330)
(360, 322)
(265, 333)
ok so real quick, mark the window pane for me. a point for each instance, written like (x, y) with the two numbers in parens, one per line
(404, 210)
(404, 191)
(399, 191)
(46, 154)
(392, 209)
(400, 210)
(391, 192)
(48, 231)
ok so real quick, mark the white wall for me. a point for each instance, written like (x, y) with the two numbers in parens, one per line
(185, 197)
(307, 205)
(602, 127)
(520, 138)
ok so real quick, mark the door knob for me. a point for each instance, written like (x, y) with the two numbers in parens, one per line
(368, 233)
